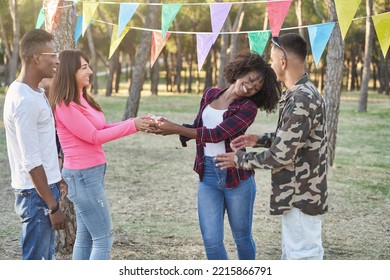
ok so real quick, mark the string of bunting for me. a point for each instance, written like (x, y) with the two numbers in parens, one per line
(319, 34)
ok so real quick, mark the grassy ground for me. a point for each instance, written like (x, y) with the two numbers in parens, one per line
(152, 188)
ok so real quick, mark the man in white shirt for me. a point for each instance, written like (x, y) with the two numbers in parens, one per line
(31, 146)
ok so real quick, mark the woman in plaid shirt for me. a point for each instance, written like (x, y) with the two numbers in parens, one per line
(225, 114)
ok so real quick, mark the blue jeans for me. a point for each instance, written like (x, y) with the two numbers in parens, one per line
(37, 237)
(213, 199)
(94, 235)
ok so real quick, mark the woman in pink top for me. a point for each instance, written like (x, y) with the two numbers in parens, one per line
(82, 129)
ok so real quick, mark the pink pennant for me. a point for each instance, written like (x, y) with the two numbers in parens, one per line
(277, 12)
(158, 43)
(52, 15)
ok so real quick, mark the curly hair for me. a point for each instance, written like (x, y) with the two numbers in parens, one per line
(267, 97)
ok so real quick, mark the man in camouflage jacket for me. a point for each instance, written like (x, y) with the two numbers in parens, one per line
(296, 154)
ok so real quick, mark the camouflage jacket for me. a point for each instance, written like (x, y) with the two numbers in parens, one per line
(297, 152)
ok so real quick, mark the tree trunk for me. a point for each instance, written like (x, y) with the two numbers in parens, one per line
(352, 70)
(112, 66)
(367, 58)
(221, 82)
(228, 51)
(13, 63)
(298, 13)
(214, 60)
(7, 51)
(190, 64)
(63, 34)
(208, 67)
(93, 60)
(154, 78)
(118, 74)
(318, 11)
(383, 72)
(142, 56)
(334, 73)
(234, 44)
(179, 60)
(168, 82)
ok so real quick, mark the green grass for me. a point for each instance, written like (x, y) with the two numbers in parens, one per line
(363, 142)
(152, 187)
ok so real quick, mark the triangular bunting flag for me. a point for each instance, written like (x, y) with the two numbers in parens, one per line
(258, 41)
(204, 43)
(168, 14)
(346, 10)
(51, 14)
(40, 19)
(115, 39)
(382, 28)
(277, 12)
(218, 13)
(77, 30)
(158, 43)
(126, 12)
(89, 9)
(319, 36)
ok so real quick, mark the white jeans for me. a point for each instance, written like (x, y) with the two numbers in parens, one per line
(301, 236)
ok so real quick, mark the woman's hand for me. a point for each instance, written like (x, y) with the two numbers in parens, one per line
(63, 189)
(142, 123)
(163, 127)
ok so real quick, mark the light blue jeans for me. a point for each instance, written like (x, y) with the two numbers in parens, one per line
(94, 235)
(213, 200)
(37, 237)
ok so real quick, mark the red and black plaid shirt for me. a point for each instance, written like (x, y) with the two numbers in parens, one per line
(237, 118)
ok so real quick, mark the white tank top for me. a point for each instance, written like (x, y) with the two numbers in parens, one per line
(211, 118)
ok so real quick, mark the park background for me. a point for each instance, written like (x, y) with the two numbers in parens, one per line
(149, 180)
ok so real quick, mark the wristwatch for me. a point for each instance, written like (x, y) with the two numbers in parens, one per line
(52, 211)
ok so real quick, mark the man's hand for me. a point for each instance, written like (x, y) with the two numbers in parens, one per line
(58, 220)
(225, 161)
(243, 141)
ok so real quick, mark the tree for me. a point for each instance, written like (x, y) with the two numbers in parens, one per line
(63, 34)
(5, 47)
(334, 74)
(367, 58)
(225, 57)
(154, 78)
(13, 62)
(143, 53)
(94, 60)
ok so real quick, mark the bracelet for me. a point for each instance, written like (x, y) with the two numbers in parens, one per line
(55, 209)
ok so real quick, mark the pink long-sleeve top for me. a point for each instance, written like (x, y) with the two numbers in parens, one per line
(83, 130)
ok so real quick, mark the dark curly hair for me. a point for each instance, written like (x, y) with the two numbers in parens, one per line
(267, 97)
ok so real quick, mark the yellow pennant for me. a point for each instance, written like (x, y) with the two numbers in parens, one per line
(89, 9)
(346, 10)
(382, 27)
(115, 39)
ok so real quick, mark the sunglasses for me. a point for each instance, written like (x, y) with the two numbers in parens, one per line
(49, 53)
(275, 41)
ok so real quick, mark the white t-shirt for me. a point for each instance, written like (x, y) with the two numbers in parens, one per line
(211, 118)
(30, 132)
